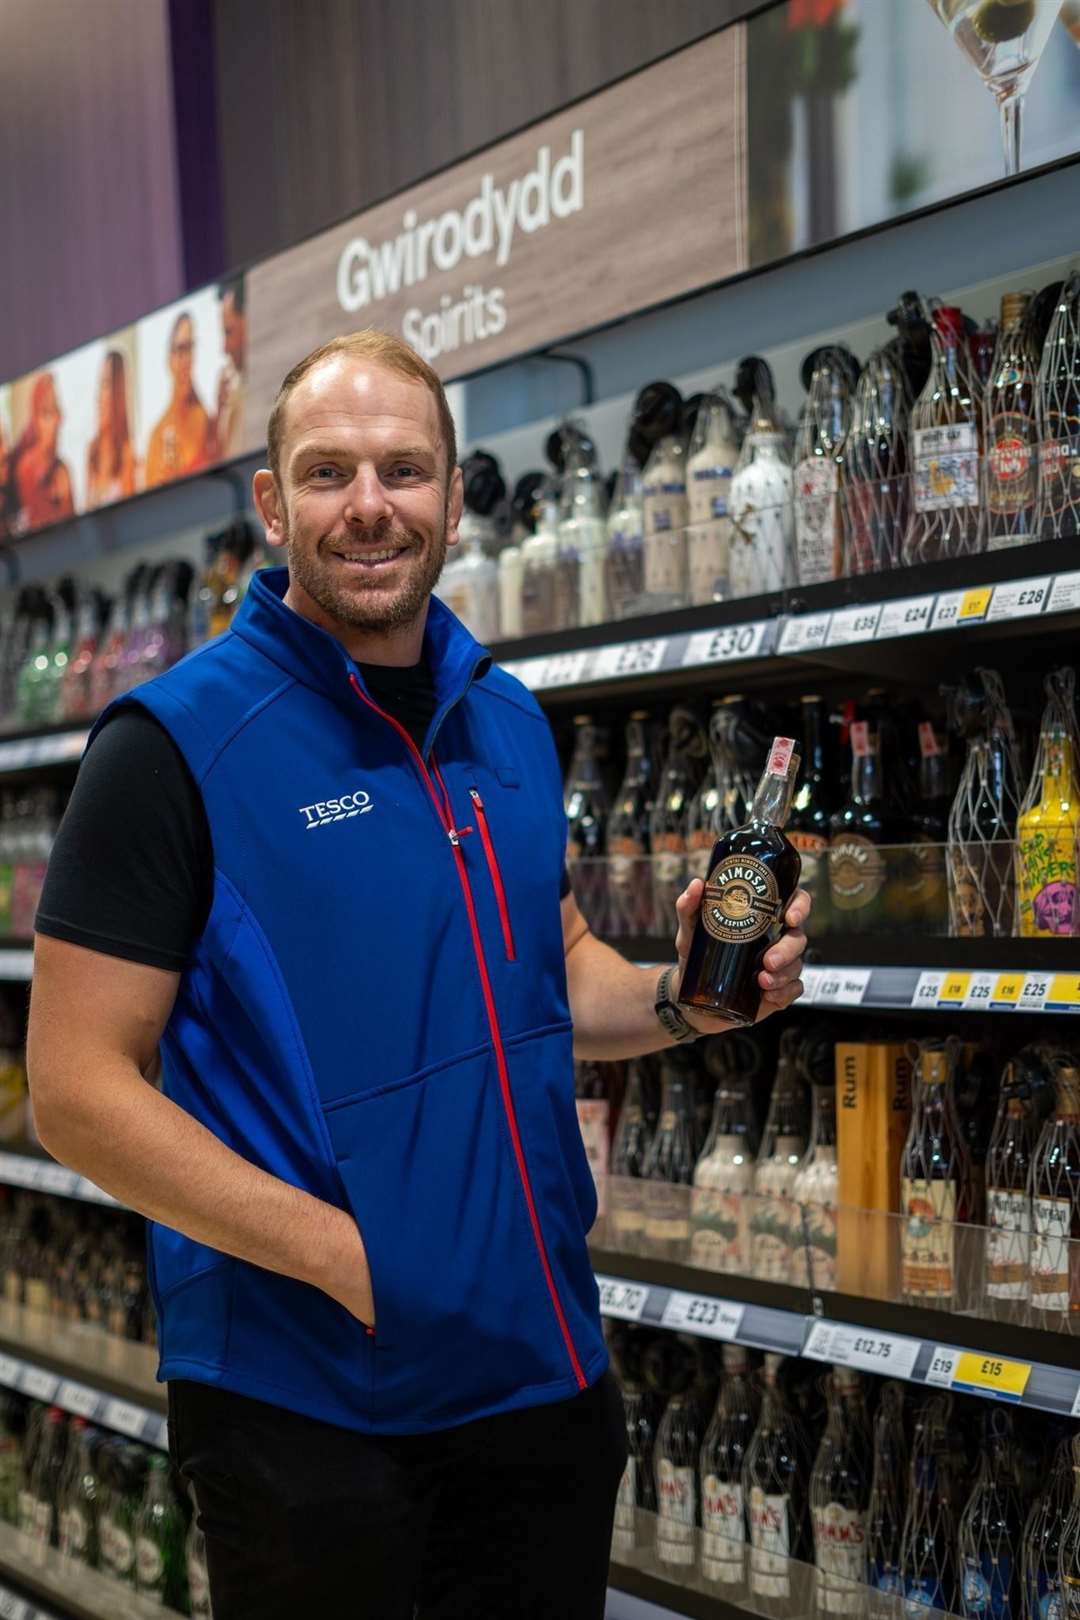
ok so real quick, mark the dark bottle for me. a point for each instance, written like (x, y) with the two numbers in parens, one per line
(669, 1169)
(587, 808)
(990, 1530)
(723, 1455)
(811, 812)
(48, 1473)
(1059, 419)
(886, 1510)
(928, 1546)
(80, 1497)
(752, 876)
(928, 887)
(863, 834)
(670, 819)
(12, 1429)
(703, 823)
(1008, 1195)
(839, 1498)
(636, 1488)
(629, 872)
(629, 1157)
(160, 1533)
(1044, 1541)
(1012, 432)
(775, 1483)
(675, 1468)
(936, 1180)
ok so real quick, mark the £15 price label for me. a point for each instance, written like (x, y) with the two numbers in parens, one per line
(991, 1375)
(624, 1300)
(696, 1313)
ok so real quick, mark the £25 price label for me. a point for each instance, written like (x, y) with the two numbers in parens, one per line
(624, 1300)
(928, 989)
(980, 991)
(696, 1313)
(1035, 991)
(991, 1375)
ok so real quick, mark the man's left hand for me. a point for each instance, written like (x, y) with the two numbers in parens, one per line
(780, 978)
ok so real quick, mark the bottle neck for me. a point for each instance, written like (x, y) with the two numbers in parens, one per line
(772, 800)
(824, 1129)
(867, 781)
(814, 738)
(1059, 778)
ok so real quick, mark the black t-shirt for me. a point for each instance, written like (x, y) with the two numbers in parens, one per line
(131, 873)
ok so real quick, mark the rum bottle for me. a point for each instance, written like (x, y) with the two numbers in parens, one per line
(816, 1194)
(1044, 1543)
(669, 821)
(936, 1183)
(775, 1483)
(886, 1509)
(990, 1530)
(669, 1169)
(1008, 1196)
(1059, 419)
(1011, 432)
(945, 442)
(627, 834)
(1055, 1206)
(819, 546)
(928, 1544)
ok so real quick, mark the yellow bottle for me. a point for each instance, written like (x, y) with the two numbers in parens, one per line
(1046, 837)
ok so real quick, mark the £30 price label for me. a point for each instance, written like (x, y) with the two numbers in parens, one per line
(719, 646)
(695, 1313)
(991, 1375)
(625, 1300)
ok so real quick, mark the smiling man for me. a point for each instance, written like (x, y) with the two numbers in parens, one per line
(387, 1379)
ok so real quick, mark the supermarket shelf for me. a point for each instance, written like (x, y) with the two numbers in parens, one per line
(60, 1588)
(666, 1594)
(16, 963)
(939, 1349)
(83, 1370)
(45, 748)
(42, 1174)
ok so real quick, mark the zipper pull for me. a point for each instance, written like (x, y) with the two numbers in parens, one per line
(474, 795)
(451, 833)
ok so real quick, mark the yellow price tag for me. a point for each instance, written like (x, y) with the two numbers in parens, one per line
(976, 602)
(954, 987)
(1007, 988)
(992, 1374)
(1064, 990)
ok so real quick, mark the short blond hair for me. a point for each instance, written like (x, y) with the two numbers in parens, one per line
(385, 350)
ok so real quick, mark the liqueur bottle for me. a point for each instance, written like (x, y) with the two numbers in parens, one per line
(625, 530)
(629, 1158)
(886, 1509)
(819, 545)
(1008, 1195)
(928, 886)
(676, 1454)
(874, 470)
(928, 1544)
(1011, 432)
(1049, 822)
(776, 1222)
(946, 429)
(79, 1497)
(714, 451)
(936, 1183)
(775, 1484)
(990, 1530)
(587, 810)
(582, 534)
(1059, 419)
(594, 1122)
(816, 1193)
(669, 821)
(862, 832)
(159, 1538)
(762, 514)
(724, 1179)
(840, 1498)
(629, 871)
(703, 823)
(1055, 1205)
(983, 814)
(1045, 1546)
(669, 1168)
(665, 514)
(812, 809)
(753, 874)
(723, 1455)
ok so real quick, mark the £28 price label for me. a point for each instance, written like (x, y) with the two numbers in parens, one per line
(696, 1313)
(625, 1300)
(1019, 599)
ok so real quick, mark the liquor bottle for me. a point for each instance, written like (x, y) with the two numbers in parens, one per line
(1055, 1205)
(1049, 822)
(928, 1544)
(887, 1505)
(1044, 1541)
(762, 554)
(990, 1530)
(775, 1220)
(45, 1481)
(629, 1157)
(79, 1497)
(665, 514)
(840, 1497)
(1059, 418)
(874, 469)
(159, 1538)
(669, 1168)
(819, 545)
(124, 1502)
(627, 837)
(862, 833)
(678, 1445)
(775, 1482)
(469, 586)
(625, 530)
(812, 810)
(75, 700)
(703, 826)
(197, 1575)
(683, 769)
(1070, 1542)
(32, 685)
(582, 534)
(539, 566)
(594, 1122)
(1008, 1196)
(735, 746)
(60, 650)
(928, 892)
(935, 1185)
(587, 810)
(12, 1428)
(815, 1190)
(753, 874)
(1011, 432)
(723, 1455)
(724, 1177)
(983, 815)
(714, 451)
(946, 430)
(26, 1515)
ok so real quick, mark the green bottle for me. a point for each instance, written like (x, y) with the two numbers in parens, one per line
(80, 1497)
(160, 1536)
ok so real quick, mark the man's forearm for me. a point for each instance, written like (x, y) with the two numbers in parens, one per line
(613, 1004)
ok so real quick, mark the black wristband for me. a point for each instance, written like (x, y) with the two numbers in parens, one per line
(671, 1019)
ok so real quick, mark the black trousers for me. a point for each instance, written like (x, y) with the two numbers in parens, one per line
(507, 1518)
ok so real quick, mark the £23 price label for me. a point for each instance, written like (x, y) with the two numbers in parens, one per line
(718, 646)
(695, 1313)
(625, 1300)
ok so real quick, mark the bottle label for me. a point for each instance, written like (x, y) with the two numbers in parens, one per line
(856, 871)
(985, 1586)
(718, 1207)
(946, 467)
(625, 858)
(1052, 1221)
(73, 1532)
(149, 1564)
(676, 1493)
(817, 519)
(840, 1550)
(770, 1544)
(821, 1240)
(623, 1536)
(43, 1521)
(1008, 1243)
(594, 1115)
(929, 747)
(723, 1531)
(780, 756)
(1048, 887)
(927, 1267)
(742, 900)
(1059, 466)
(123, 1551)
(1011, 464)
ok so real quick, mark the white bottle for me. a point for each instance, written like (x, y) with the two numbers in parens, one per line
(714, 451)
(582, 534)
(470, 588)
(511, 571)
(665, 514)
(816, 1189)
(625, 544)
(822, 432)
(539, 559)
(763, 525)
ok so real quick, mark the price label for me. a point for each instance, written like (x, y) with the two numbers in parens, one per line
(1008, 988)
(156, 1433)
(907, 618)
(867, 1350)
(980, 992)
(122, 1416)
(1065, 596)
(18, 1170)
(625, 1300)
(77, 1398)
(954, 987)
(94, 1194)
(1076, 1403)
(1035, 991)
(961, 607)
(806, 632)
(14, 755)
(1019, 599)
(55, 1178)
(9, 1371)
(811, 979)
(974, 604)
(563, 669)
(942, 1366)
(37, 1382)
(629, 658)
(694, 1313)
(16, 965)
(991, 1375)
(928, 990)
(853, 624)
(853, 984)
(529, 671)
(718, 646)
(1064, 994)
(13, 1608)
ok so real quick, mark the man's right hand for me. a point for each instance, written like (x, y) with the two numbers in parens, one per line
(345, 1275)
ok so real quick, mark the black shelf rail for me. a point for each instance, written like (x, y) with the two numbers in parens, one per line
(901, 950)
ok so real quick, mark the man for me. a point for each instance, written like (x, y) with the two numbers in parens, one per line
(227, 426)
(387, 1378)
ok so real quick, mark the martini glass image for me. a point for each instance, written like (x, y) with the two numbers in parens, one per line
(1003, 40)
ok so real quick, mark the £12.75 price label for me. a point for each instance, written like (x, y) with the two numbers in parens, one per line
(862, 1348)
(624, 1300)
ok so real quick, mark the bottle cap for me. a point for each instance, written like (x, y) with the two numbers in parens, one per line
(929, 746)
(860, 739)
(949, 321)
(780, 756)
(1014, 308)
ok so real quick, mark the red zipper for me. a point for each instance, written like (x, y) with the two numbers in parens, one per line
(496, 875)
(444, 812)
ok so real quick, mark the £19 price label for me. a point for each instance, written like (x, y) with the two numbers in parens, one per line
(625, 1300)
(696, 1313)
(991, 1375)
(943, 1364)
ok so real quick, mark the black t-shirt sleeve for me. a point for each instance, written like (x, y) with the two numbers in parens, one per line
(131, 871)
(564, 887)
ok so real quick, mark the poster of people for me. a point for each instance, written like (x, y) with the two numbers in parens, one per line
(192, 360)
(7, 489)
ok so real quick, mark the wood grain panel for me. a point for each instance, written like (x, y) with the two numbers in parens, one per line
(664, 204)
